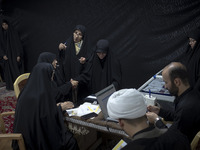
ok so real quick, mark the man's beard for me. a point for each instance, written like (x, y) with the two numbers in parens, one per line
(173, 90)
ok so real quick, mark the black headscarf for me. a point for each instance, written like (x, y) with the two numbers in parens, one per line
(192, 58)
(37, 116)
(62, 88)
(103, 72)
(11, 46)
(46, 57)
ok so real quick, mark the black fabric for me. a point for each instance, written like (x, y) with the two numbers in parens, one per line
(70, 65)
(38, 117)
(146, 35)
(192, 59)
(62, 88)
(68, 58)
(169, 140)
(10, 46)
(185, 117)
(102, 72)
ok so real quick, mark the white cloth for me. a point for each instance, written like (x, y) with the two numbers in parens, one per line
(126, 104)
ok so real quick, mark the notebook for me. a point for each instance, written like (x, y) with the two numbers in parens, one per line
(102, 98)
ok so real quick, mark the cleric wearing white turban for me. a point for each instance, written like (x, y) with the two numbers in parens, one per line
(126, 104)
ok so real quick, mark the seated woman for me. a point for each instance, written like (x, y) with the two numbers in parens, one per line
(38, 117)
(63, 88)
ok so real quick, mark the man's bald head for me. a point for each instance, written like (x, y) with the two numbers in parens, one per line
(176, 70)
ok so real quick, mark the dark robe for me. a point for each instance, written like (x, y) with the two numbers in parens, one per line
(158, 139)
(101, 73)
(192, 59)
(70, 65)
(38, 117)
(68, 58)
(185, 117)
(62, 88)
(11, 46)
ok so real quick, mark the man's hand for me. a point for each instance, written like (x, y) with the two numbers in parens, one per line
(66, 105)
(82, 60)
(62, 46)
(154, 109)
(5, 57)
(74, 83)
(151, 116)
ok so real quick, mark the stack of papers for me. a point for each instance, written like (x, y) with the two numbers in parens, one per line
(84, 109)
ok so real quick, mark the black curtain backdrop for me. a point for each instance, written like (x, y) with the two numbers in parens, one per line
(146, 35)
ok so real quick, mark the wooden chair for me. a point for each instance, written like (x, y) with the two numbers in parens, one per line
(6, 138)
(20, 83)
(195, 144)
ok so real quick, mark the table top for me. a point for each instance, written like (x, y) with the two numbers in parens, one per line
(98, 123)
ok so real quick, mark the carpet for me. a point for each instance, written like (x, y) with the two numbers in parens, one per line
(7, 103)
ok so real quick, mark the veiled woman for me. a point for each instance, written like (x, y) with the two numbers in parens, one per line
(73, 55)
(11, 53)
(63, 88)
(38, 117)
(103, 69)
(192, 57)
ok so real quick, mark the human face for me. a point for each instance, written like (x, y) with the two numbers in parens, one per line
(192, 42)
(54, 63)
(169, 85)
(77, 36)
(101, 55)
(5, 26)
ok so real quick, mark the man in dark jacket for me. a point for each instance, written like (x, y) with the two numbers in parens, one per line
(185, 116)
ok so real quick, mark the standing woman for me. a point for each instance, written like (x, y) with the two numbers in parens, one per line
(73, 55)
(103, 69)
(192, 58)
(37, 115)
(11, 53)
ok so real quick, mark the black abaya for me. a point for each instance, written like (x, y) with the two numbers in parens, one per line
(11, 46)
(70, 66)
(38, 117)
(192, 59)
(68, 58)
(100, 73)
(62, 88)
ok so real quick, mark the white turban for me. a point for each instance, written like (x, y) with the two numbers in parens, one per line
(126, 104)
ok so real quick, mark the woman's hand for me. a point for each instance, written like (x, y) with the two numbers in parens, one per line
(62, 46)
(82, 60)
(5, 57)
(66, 105)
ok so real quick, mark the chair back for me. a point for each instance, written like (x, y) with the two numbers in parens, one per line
(6, 138)
(20, 83)
(195, 144)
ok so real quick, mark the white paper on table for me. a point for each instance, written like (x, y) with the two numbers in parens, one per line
(72, 112)
(84, 109)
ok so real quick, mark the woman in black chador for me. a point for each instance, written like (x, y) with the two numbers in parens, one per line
(63, 88)
(11, 53)
(103, 69)
(73, 55)
(38, 117)
(192, 58)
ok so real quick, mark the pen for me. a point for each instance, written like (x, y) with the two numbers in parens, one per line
(149, 93)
